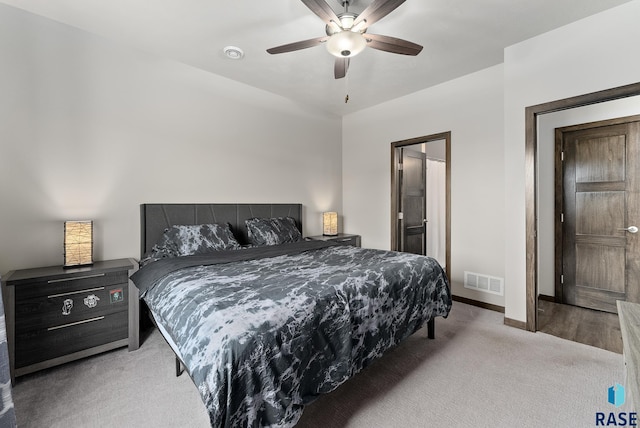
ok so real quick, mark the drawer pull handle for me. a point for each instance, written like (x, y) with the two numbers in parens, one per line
(344, 239)
(74, 278)
(75, 292)
(75, 323)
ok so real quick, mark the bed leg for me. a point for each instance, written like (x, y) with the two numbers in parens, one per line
(179, 368)
(431, 329)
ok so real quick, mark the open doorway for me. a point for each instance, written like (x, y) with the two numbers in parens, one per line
(588, 179)
(421, 197)
(533, 115)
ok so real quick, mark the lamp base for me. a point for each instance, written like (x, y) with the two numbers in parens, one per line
(77, 265)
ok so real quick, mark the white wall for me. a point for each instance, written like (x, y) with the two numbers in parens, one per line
(547, 123)
(90, 129)
(471, 108)
(593, 54)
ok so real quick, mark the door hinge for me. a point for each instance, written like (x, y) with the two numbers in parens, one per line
(561, 279)
(400, 216)
(399, 167)
(562, 156)
(561, 217)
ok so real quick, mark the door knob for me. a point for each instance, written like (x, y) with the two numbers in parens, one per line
(630, 229)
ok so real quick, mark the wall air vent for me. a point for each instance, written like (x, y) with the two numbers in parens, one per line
(484, 283)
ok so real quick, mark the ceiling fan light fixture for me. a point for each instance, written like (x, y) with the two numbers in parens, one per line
(346, 21)
(333, 28)
(346, 44)
(360, 27)
(347, 33)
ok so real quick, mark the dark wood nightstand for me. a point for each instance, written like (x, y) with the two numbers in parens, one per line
(341, 238)
(55, 315)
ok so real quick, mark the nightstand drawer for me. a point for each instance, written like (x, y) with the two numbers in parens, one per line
(46, 343)
(68, 284)
(340, 238)
(67, 307)
(352, 240)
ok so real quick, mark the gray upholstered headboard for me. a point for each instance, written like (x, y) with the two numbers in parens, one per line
(155, 218)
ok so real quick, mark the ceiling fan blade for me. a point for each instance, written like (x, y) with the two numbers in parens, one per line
(341, 67)
(323, 10)
(296, 46)
(392, 44)
(376, 11)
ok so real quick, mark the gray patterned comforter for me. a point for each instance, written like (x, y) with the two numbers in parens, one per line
(267, 332)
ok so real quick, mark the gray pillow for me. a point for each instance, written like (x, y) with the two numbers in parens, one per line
(159, 251)
(200, 238)
(272, 231)
(186, 240)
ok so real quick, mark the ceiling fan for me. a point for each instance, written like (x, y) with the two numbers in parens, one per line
(347, 33)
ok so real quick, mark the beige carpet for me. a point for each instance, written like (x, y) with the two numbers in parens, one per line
(477, 372)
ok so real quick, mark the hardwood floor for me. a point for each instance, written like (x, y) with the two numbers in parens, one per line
(595, 328)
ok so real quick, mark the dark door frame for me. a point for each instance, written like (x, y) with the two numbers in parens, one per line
(395, 203)
(531, 164)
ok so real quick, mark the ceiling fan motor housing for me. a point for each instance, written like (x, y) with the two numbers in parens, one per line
(346, 23)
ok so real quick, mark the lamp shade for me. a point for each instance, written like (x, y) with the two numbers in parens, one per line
(78, 243)
(330, 223)
(346, 44)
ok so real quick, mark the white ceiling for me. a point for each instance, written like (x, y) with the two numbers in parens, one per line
(459, 37)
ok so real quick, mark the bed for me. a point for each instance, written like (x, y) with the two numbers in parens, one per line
(264, 321)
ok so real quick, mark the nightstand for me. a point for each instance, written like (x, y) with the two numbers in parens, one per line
(55, 315)
(341, 238)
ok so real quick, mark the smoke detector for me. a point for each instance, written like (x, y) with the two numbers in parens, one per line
(233, 52)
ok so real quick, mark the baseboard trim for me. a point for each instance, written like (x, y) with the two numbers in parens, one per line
(546, 298)
(479, 304)
(515, 323)
(507, 321)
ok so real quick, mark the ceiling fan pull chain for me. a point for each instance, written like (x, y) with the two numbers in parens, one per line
(346, 87)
